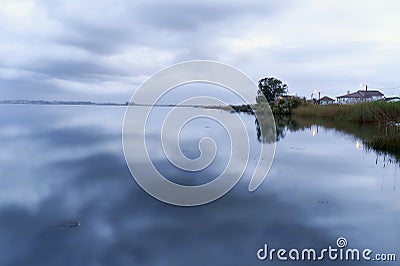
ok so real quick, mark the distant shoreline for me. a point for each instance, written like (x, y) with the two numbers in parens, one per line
(45, 102)
(89, 103)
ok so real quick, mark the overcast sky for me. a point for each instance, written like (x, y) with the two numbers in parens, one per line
(103, 50)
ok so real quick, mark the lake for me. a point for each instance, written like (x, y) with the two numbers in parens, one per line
(67, 196)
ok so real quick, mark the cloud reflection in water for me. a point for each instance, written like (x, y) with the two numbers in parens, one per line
(66, 163)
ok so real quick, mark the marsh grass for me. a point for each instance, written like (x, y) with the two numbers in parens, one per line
(370, 112)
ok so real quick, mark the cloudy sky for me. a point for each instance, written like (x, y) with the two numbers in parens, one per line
(103, 50)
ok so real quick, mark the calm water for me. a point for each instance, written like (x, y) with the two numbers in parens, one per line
(67, 196)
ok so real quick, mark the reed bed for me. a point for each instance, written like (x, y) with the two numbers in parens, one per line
(370, 112)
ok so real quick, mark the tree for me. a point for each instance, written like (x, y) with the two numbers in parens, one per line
(272, 88)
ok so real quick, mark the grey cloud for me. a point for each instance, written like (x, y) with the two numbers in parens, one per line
(102, 29)
(70, 68)
(190, 16)
(184, 30)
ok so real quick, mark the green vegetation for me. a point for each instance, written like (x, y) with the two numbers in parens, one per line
(274, 91)
(285, 106)
(370, 112)
(281, 106)
(272, 88)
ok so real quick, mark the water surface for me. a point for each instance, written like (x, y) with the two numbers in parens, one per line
(67, 196)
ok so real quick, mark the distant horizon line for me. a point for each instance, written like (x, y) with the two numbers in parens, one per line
(82, 102)
(58, 102)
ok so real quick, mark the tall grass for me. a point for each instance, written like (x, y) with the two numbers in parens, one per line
(370, 112)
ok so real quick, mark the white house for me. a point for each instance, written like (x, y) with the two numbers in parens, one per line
(326, 100)
(360, 96)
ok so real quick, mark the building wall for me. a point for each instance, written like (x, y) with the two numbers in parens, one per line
(327, 102)
(358, 100)
(350, 100)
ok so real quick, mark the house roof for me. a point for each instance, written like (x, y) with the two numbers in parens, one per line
(371, 93)
(326, 98)
(352, 95)
(362, 94)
